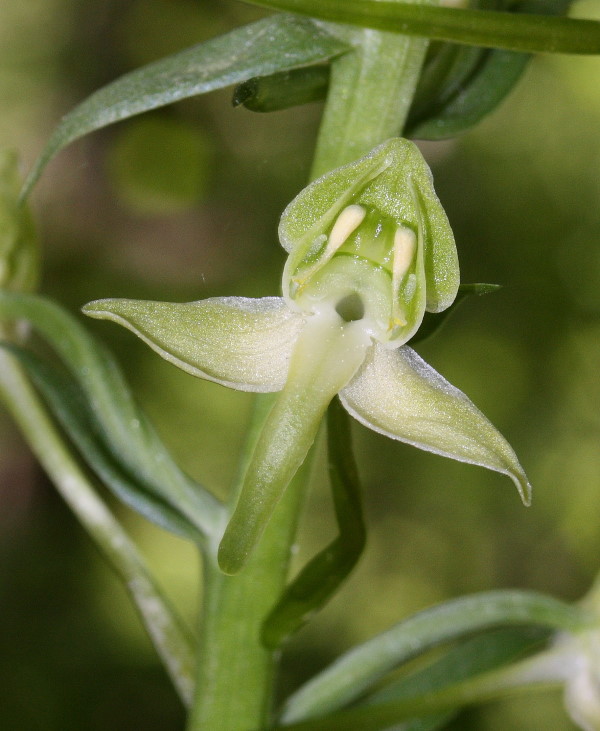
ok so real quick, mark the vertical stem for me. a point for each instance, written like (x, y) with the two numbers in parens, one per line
(235, 670)
(370, 94)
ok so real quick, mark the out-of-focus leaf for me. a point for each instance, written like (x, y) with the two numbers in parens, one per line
(480, 654)
(268, 46)
(283, 90)
(351, 675)
(430, 723)
(321, 577)
(460, 85)
(449, 114)
(126, 433)
(432, 321)
(449, 72)
(437, 691)
(19, 249)
(526, 32)
(69, 405)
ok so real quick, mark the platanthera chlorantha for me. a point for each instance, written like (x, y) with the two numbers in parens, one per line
(370, 250)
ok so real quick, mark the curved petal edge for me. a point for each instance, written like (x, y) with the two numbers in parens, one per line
(238, 342)
(396, 393)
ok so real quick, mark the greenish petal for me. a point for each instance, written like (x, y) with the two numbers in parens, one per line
(327, 355)
(238, 342)
(397, 394)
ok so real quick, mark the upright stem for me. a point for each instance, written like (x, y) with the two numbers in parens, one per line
(370, 94)
(235, 671)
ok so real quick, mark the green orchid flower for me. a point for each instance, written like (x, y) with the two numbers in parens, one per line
(370, 250)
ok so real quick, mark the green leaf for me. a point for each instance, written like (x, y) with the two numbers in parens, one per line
(358, 670)
(432, 321)
(466, 673)
(496, 75)
(283, 90)
(125, 430)
(265, 47)
(529, 33)
(458, 87)
(461, 84)
(319, 580)
(476, 655)
(68, 404)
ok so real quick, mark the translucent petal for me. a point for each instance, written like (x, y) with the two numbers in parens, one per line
(327, 354)
(238, 342)
(397, 394)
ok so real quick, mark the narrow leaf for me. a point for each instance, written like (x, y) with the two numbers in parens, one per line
(355, 672)
(320, 579)
(529, 33)
(132, 439)
(265, 47)
(68, 404)
(435, 693)
(477, 655)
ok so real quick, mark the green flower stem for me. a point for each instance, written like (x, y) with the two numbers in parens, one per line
(370, 94)
(369, 97)
(235, 671)
(171, 638)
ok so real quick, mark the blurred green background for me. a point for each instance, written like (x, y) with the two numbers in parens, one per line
(182, 204)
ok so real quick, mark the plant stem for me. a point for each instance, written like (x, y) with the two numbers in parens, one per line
(168, 633)
(370, 94)
(235, 670)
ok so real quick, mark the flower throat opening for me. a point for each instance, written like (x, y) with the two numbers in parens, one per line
(351, 308)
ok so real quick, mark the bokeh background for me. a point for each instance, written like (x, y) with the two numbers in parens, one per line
(182, 204)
